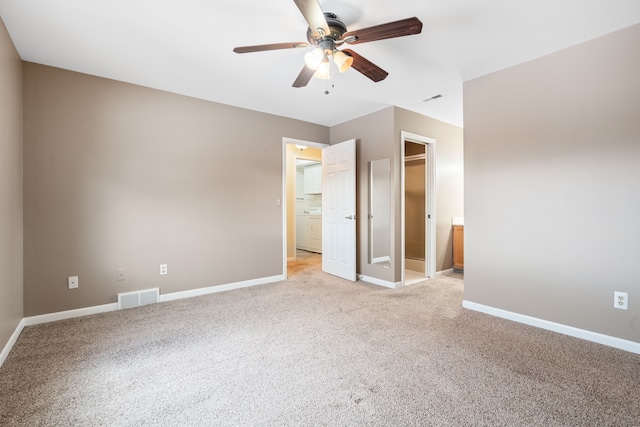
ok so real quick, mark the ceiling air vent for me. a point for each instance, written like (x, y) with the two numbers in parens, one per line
(432, 98)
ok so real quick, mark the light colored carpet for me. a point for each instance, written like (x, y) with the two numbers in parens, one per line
(314, 350)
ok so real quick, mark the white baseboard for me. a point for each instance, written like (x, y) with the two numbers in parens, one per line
(596, 337)
(220, 288)
(443, 272)
(397, 285)
(12, 340)
(379, 282)
(69, 314)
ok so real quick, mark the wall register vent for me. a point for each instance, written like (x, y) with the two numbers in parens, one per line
(138, 298)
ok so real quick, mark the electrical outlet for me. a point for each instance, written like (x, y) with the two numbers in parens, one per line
(72, 281)
(163, 269)
(621, 300)
(120, 274)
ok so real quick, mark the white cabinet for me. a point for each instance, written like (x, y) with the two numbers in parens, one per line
(309, 232)
(302, 226)
(313, 179)
(315, 233)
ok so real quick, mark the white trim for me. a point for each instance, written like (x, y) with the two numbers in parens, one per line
(631, 346)
(69, 314)
(220, 288)
(379, 282)
(397, 285)
(283, 201)
(312, 144)
(430, 176)
(12, 340)
(381, 259)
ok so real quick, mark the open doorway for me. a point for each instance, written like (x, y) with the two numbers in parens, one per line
(302, 207)
(415, 212)
(308, 211)
(418, 208)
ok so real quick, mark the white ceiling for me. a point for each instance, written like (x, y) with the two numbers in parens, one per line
(185, 46)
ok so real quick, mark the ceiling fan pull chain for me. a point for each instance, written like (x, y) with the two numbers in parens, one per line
(329, 81)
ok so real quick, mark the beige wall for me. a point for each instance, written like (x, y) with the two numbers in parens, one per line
(118, 175)
(11, 258)
(552, 175)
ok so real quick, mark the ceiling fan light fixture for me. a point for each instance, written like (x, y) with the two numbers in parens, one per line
(323, 70)
(342, 60)
(314, 58)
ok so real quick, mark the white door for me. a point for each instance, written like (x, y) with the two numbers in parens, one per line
(339, 210)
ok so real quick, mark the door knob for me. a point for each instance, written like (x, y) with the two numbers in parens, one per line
(350, 217)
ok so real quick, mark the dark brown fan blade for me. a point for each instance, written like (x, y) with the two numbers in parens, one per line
(366, 67)
(314, 16)
(303, 78)
(274, 46)
(404, 27)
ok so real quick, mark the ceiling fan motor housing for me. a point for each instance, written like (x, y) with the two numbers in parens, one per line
(336, 28)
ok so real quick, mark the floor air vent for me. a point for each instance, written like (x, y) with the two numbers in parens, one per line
(138, 298)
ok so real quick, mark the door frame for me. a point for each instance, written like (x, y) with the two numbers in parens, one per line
(290, 141)
(430, 200)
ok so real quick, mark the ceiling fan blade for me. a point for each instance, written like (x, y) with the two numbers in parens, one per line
(303, 78)
(404, 27)
(274, 46)
(314, 16)
(366, 67)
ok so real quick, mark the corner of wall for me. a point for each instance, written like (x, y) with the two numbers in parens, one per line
(11, 192)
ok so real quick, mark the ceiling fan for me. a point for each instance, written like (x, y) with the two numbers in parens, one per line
(328, 32)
